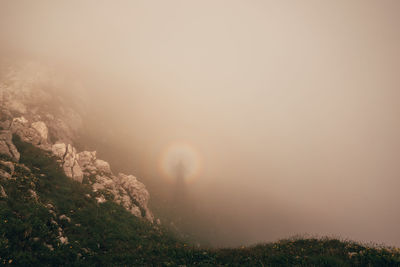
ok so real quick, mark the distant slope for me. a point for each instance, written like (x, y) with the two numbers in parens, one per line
(48, 219)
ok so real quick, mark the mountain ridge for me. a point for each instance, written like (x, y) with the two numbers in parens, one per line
(31, 108)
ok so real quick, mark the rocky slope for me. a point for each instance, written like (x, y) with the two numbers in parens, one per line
(31, 107)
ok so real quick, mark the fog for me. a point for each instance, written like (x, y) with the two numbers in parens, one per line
(288, 111)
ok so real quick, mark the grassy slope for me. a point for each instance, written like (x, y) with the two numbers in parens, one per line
(105, 234)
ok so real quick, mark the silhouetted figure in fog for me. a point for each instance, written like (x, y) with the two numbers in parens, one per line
(184, 211)
(179, 193)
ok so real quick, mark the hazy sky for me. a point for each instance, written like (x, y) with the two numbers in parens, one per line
(292, 106)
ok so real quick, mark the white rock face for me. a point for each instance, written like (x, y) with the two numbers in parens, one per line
(36, 133)
(126, 189)
(41, 128)
(69, 160)
(71, 166)
(102, 166)
(135, 190)
(77, 173)
(86, 158)
(87, 161)
(136, 211)
(59, 150)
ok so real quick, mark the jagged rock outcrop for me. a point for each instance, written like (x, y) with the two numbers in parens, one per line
(70, 164)
(59, 149)
(35, 133)
(102, 166)
(31, 107)
(124, 189)
(135, 190)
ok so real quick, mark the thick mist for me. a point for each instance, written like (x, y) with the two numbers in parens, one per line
(289, 110)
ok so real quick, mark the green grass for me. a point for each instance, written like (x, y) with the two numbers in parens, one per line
(107, 235)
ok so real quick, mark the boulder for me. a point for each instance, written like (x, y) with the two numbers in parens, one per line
(21, 127)
(69, 161)
(59, 150)
(102, 166)
(86, 159)
(136, 211)
(137, 191)
(41, 128)
(70, 164)
(77, 173)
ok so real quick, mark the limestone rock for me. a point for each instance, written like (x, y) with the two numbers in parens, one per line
(86, 158)
(136, 211)
(103, 166)
(59, 150)
(71, 166)
(21, 127)
(77, 173)
(69, 160)
(137, 191)
(41, 128)
(86, 161)
(31, 107)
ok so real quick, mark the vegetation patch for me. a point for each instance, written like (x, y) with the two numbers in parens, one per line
(65, 226)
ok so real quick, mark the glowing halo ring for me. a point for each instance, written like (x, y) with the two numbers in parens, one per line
(179, 151)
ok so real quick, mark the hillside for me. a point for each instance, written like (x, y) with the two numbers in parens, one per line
(48, 219)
